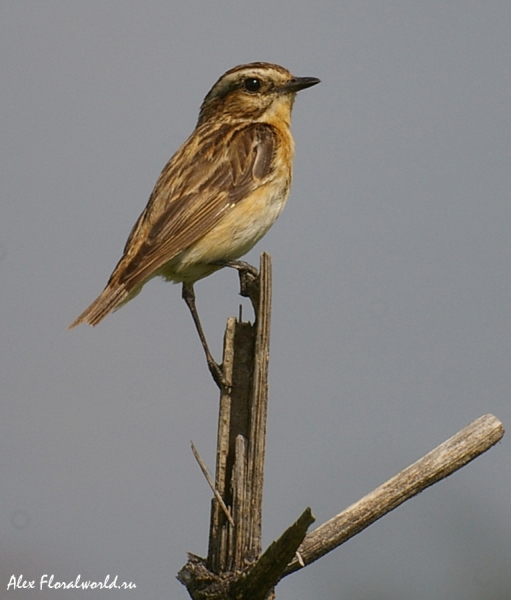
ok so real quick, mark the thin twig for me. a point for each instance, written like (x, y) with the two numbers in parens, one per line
(209, 479)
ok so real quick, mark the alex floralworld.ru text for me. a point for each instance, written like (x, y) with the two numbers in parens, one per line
(48, 581)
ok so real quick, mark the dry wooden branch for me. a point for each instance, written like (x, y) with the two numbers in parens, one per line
(441, 462)
(259, 411)
(234, 568)
(235, 546)
(242, 431)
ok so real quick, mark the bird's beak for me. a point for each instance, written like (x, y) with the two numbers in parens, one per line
(298, 83)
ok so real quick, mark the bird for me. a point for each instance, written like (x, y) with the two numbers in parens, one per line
(218, 194)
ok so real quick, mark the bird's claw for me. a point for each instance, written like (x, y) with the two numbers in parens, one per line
(249, 279)
(218, 375)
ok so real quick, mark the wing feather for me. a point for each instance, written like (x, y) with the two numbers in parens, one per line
(207, 177)
(174, 220)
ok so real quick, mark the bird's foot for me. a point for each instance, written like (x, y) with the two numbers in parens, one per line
(218, 375)
(249, 279)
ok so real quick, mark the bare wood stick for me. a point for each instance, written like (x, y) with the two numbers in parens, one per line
(259, 408)
(233, 421)
(209, 479)
(239, 506)
(225, 404)
(267, 571)
(217, 535)
(243, 410)
(441, 462)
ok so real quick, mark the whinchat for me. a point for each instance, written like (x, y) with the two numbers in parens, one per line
(220, 192)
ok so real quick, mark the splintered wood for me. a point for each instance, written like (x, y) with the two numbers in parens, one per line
(242, 435)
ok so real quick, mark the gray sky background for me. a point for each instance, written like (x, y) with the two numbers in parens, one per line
(392, 297)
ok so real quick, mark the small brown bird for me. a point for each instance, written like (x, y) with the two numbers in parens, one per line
(220, 192)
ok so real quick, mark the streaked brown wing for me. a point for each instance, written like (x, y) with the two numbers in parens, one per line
(192, 195)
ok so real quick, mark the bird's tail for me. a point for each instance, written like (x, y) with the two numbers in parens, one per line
(112, 297)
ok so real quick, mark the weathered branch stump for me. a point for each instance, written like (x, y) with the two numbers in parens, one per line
(235, 568)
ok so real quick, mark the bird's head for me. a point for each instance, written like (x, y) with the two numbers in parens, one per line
(256, 92)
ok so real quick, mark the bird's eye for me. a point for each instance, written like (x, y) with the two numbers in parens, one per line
(252, 84)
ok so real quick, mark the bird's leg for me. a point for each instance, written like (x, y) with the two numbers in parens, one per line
(215, 369)
(249, 279)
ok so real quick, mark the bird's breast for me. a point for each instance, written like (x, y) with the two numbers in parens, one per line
(234, 235)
